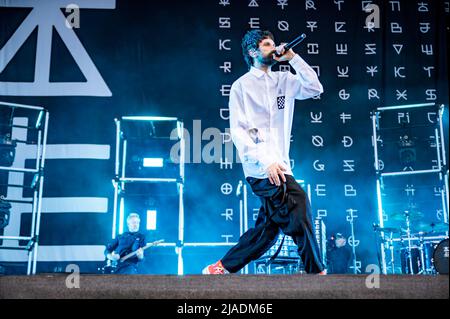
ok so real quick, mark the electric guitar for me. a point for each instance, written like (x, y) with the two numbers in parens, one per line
(112, 265)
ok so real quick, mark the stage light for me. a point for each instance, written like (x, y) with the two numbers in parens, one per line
(121, 215)
(4, 213)
(153, 162)
(151, 219)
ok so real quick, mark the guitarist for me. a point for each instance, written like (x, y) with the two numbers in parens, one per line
(126, 243)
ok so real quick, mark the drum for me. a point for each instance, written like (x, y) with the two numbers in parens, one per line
(416, 260)
(428, 250)
(440, 257)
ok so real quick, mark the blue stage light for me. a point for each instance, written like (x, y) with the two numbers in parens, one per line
(153, 162)
(151, 219)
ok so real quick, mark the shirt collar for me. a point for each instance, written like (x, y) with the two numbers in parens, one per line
(259, 73)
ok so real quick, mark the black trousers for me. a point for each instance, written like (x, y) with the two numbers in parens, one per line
(284, 207)
(127, 269)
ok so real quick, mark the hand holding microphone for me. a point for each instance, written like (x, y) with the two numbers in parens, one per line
(284, 52)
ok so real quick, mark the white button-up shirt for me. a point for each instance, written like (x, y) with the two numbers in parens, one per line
(261, 112)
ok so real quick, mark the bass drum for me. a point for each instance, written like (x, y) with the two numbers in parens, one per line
(440, 257)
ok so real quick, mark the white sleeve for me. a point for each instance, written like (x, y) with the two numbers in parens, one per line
(240, 129)
(304, 84)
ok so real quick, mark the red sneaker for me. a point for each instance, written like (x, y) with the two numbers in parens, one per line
(215, 269)
(323, 273)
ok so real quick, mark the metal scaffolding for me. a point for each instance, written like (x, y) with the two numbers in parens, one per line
(122, 178)
(441, 170)
(37, 172)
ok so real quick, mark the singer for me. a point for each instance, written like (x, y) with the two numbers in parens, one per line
(261, 112)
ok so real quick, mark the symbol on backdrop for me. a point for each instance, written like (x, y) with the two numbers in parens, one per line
(254, 23)
(343, 95)
(357, 264)
(396, 28)
(342, 73)
(225, 164)
(351, 215)
(283, 25)
(282, 3)
(226, 67)
(224, 22)
(341, 48)
(228, 214)
(380, 165)
(398, 48)
(225, 89)
(225, 114)
(47, 16)
(338, 3)
(253, 3)
(410, 190)
(403, 118)
(321, 190)
(423, 7)
(347, 141)
(316, 68)
(309, 4)
(227, 237)
(349, 165)
(371, 48)
(223, 44)
(311, 25)
(395, 4)
(372, 70)
(373, 93)
(224, 2)
(226, 137)
(432, 117)
(316, 117)
(428, 70)
(322, 213)
(427, 49)
(402, 95)
(435, 163)
(339, 27)
(353, 242)
(439, 214)
(397, 73)
(313, 48)
(226, 188)
(317, 141)
(431, 93)
(318, 166)
(349, 191)
(424, 27)
(345, 117)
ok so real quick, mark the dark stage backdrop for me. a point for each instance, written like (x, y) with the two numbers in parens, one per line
(179, 58)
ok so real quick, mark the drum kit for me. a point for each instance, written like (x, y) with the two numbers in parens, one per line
(421, 248)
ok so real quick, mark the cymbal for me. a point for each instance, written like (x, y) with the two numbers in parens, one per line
(430, 227)
(389, 230)
(401, 216)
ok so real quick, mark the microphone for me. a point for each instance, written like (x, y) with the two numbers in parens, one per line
(292, 44)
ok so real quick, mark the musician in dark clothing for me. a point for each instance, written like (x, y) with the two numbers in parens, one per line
(339, 255)
(128, 242)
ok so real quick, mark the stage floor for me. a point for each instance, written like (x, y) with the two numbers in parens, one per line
(224, 287)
